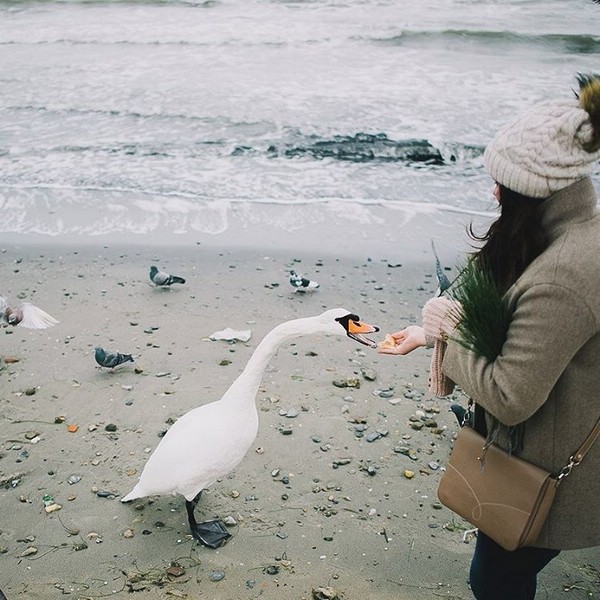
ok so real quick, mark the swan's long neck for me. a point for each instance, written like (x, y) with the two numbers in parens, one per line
(245, 387)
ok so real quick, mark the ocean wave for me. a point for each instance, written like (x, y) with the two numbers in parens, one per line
(560, 42)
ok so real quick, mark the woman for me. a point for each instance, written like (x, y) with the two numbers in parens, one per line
(539, 396)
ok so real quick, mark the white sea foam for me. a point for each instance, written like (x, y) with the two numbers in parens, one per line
(169, 118)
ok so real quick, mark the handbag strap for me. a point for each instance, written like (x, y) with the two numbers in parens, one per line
(574, 459)
(577, 457)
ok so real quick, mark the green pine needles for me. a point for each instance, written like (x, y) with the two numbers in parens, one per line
(484, 316)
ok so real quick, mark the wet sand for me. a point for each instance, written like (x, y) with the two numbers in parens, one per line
(321, 506)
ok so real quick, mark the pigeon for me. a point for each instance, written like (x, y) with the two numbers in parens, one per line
(460, 412)
(161, 279)
(25, 315)
(110, 358)
(443, 282)
(302, 284)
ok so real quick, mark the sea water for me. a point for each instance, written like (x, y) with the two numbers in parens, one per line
(160, 116)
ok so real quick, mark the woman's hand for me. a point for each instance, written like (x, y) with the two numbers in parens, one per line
(404, 341)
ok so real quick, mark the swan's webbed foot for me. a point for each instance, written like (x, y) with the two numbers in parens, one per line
(209, 533)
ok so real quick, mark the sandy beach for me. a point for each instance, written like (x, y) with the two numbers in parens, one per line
(323, 506)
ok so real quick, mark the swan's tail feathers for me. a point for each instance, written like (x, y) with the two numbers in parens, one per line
(134, 494)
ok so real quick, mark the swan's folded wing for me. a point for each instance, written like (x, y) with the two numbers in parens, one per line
(35, 318)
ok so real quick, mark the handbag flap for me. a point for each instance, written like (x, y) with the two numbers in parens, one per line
(498, 493)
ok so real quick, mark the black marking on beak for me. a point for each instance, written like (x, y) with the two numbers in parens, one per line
(356, 329)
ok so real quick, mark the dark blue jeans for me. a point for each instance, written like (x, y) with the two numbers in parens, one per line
(498, 574)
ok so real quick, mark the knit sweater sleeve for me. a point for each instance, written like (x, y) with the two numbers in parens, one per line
(549, 325)
(439, 322)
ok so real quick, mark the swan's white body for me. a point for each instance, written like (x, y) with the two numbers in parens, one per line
(208, 442)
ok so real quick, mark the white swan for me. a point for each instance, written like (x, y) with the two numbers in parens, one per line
(209, 441)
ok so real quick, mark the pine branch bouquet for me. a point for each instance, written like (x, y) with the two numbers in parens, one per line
(484, 313)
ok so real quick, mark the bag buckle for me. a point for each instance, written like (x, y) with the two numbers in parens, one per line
(566, 470)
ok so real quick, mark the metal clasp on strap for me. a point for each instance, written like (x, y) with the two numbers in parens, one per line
(566, 470)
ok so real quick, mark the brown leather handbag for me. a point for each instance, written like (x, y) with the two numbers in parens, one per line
(503, 495)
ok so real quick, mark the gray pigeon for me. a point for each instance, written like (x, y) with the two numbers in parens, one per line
(160, 278)
(110, 358)
(302, 284)
(25, 315)
(443, 282)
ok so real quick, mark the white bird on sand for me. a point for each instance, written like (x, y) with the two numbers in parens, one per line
(25, 315)
(302, 284)
(209, 441)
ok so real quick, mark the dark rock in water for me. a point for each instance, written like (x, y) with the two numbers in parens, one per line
(363, 147)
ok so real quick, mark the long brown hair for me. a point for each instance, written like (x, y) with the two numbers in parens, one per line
(513, 240)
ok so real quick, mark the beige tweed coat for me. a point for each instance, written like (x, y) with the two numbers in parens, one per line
(548, 372)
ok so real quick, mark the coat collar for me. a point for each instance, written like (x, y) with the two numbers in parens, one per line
(573, 204)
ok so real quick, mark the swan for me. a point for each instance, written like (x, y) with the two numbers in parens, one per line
(209, 441)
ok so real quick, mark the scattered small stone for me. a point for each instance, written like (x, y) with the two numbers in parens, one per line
(111, 427)
(176, 571)
(409, 474)
(104, 494)
(349, 382)
(217, 575)
(72, 479)
(128, 533)
(52, 507)
(29, 391)
(325, 593)
(369, 374)
(230, 521)
(29, 551)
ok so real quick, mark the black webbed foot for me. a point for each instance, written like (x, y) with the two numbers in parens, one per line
(213, 533)
(209, 533)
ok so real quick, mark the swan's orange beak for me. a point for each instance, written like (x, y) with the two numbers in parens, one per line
(357, 329)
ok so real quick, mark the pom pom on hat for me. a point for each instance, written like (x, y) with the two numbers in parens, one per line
(551, 146)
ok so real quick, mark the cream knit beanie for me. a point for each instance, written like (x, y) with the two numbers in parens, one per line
(551, 146)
